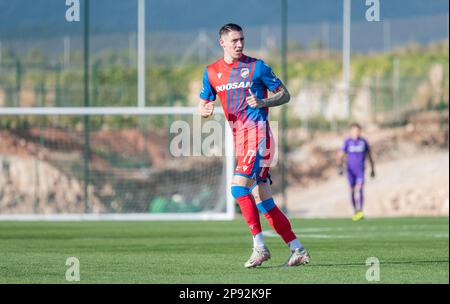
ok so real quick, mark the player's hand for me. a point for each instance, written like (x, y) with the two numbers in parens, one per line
(206, 109)
(372, 174)
(341, 170)
(253, 101)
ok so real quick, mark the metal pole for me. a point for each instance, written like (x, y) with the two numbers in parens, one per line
(57, 102)
(263, 33)
(396, 85)
(325, 37)
(86, 147)
(230, 163)
(131, 48)
(95, 84)
(66, 52)
(283, 109)
(141, 53)
(387, 35)
(203, 46)
(16, 101)
(346, 54)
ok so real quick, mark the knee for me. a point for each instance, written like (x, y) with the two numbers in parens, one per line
(257, 198)
(265, 206)
(239, 191)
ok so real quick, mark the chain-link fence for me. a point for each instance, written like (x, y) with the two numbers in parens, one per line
(398, 65)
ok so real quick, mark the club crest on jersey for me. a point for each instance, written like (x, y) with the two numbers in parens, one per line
(244, 73)
(219, 75)
(234, 85)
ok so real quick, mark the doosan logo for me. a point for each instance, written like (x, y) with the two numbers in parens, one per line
(234, 85)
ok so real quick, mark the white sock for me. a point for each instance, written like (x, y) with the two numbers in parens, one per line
(258, 240)
(295, 244)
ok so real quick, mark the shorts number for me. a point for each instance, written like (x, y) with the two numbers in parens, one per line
(250, 155)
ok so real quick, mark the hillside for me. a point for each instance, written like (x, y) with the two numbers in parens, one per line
(411, 165)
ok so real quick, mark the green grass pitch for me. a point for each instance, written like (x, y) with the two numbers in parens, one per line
(410, 250)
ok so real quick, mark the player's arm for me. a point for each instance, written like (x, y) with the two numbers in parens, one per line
(340, 159)
(281, 96)
(372, 164)
(206, 105)
(205, 108)
(273, 84)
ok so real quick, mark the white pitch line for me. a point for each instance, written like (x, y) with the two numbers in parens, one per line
(306, 233)
(269, 233)
(440, 235)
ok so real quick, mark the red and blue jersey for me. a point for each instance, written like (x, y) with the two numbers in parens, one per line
(232, 82)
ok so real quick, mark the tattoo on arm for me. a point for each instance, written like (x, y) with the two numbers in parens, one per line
(280, 97)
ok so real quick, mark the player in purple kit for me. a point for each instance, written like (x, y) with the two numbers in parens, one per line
(353, 153)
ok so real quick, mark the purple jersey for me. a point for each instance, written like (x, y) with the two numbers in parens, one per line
(356, 150)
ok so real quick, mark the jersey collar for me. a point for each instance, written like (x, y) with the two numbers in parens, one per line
(236, 63)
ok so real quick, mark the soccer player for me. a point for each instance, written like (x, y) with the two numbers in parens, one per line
(242, 84)
(354, 152)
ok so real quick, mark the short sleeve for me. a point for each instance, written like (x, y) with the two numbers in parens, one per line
(207, 92)
(268, 77)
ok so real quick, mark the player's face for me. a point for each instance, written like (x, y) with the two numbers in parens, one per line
(355, 132)
(233, 44)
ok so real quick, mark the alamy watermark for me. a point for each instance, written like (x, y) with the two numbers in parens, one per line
(252, 139)
(373, 12)
(73, 272)
(73, 10)
(373, 272)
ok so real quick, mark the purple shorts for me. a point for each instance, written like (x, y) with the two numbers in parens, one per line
(355, 177)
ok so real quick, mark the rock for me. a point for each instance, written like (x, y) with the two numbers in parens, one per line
(29, 185)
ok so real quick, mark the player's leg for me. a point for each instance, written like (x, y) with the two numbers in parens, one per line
(241, 190)
(353, 198)
(351, 177)
(359, 198)
(275, 217)
(359, 195)
(247, 153)
(262, 193)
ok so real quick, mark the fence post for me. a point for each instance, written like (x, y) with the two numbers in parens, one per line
(94, 84)
(16, 100)
(375, 99)
(396, 86)
(43, 94)
(86, 143)
(57, 86)
(283, 114)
